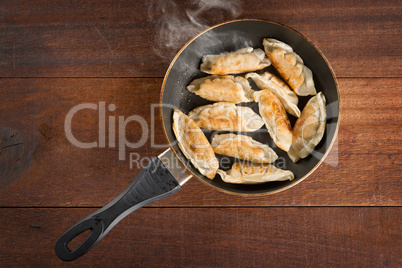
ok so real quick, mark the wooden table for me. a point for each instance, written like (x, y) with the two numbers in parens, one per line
(55, 55)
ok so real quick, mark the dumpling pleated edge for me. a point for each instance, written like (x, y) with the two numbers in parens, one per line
(207, 168)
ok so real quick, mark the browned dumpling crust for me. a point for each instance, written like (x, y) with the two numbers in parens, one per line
(309, 128)
(269, 81)
(276, 120)
(243, 147)
(252, 173)
(194, 145)
(226, 116)
(225, 88)
(236, 62)
(290, 66)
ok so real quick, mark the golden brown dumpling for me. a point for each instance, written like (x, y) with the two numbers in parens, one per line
(309, 128)
(276, 120)
(290, 66)
(251, 173)
(194, 144)
(243, 147)
(226, 116)
(285, 94)
(222, 88)
(236, 62)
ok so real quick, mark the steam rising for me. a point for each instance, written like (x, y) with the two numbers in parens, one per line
(176, 25)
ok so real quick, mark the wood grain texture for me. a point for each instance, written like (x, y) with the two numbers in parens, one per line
(343, 215)
(213, 237)
(363, 168)
(120, 38)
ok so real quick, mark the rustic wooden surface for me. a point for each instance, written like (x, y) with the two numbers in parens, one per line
(133, 39)
(215, 237)
(363, 168)
(57, 54)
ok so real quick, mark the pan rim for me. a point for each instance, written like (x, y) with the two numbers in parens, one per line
(292, 183)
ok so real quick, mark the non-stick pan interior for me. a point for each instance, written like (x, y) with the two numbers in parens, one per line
(229, 37)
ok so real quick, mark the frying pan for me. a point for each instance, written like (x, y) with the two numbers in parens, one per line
(165, 174)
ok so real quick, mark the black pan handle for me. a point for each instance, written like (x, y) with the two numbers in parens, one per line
(153, 183)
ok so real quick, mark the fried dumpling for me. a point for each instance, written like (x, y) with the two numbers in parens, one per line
(194, 144)
(290, 66)
(243, 147)
(309, 128)
(285, 94)
(251, 173)
(226, 116)
(275, 118)
(240, 61)
(222, 88)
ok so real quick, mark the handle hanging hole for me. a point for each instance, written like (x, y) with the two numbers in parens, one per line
(79, 239)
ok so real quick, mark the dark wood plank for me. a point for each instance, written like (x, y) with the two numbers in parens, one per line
(119, 38)
(363, 168)
(214, 237)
